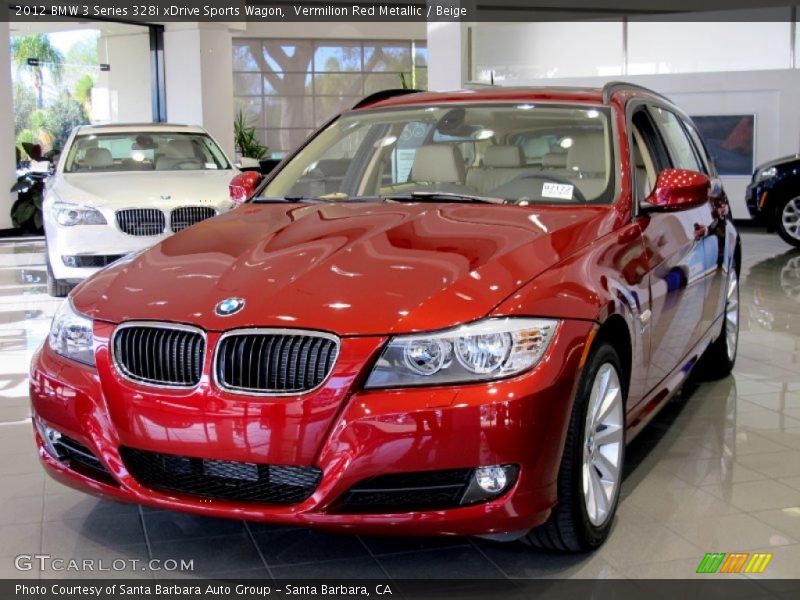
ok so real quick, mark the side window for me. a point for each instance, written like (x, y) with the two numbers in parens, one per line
(700, 147)
(680, 148)
(648, 155)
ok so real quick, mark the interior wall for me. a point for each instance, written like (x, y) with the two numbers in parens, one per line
(7, 155)
(198, 73)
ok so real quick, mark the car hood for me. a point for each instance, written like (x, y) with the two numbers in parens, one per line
(349, 268)
(126, 189)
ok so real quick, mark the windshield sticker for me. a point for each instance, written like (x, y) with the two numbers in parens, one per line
(561, 191)
(211, 166)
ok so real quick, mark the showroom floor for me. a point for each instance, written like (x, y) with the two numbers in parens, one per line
(717, 471)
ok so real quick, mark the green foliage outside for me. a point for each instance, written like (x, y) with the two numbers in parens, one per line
(54, 97)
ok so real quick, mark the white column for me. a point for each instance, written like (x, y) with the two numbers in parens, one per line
(198, 69)
(7, 156)
(448, 60)
(122, 95)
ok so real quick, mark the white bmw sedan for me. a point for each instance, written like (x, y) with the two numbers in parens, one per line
(121, 188)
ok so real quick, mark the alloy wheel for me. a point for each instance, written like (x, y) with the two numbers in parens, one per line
(790, 217)
(732, 315)
(603, 445)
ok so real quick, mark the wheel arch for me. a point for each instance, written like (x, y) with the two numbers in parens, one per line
(614, 331)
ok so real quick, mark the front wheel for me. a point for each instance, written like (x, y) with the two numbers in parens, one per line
(590, 475)
(788, 222)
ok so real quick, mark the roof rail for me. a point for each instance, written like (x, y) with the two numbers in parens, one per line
(613, 86)
(383, 95)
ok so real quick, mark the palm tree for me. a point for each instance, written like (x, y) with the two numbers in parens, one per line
(37, 46)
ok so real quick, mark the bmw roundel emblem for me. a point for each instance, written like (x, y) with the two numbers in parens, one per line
(229, 306)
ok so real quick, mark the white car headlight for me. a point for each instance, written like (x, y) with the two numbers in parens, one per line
(765, 174)
(489, 349)
(71, 334)
(72, 214)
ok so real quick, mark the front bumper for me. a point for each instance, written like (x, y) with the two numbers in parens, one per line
(350, 434)
(89, 241)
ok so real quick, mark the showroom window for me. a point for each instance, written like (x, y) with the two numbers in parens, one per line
(287, 88)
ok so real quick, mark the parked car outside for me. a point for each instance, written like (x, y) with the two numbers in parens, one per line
(773, 197)
(120, 188)
(410, 329)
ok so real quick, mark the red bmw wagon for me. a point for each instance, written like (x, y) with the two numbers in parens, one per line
(446, 313)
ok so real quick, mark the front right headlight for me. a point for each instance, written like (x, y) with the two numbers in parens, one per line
(71, 334)
(481, 351)
(73, 214)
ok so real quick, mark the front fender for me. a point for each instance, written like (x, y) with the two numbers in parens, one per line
(606, 278)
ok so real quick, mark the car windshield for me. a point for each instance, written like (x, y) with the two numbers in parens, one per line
(515, 153)
(144, 151)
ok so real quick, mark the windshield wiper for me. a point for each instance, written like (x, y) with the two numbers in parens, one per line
(332, 199)
(442, 197)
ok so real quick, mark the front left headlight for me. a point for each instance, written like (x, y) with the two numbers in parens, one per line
(481, 351)
(73, 214)
(71, 334)
(765, 174)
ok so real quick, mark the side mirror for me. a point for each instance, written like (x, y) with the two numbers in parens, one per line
(243, 185)
(678, 189)
(248, 164)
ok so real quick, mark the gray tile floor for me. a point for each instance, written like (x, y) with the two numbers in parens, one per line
(719, 470)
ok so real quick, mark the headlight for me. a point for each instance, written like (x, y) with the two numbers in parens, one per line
(71, 334)
(72, 214)
(481, 351)
(765, 174)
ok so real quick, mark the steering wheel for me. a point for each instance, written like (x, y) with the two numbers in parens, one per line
(576, 192)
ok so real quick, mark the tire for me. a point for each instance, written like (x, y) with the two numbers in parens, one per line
(720, 357)
(787, 221)
(571, 526)
(57, 288)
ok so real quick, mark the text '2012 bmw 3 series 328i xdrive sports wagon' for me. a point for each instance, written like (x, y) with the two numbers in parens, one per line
(446, 313)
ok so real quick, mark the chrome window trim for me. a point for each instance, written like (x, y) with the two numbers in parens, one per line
(125, 374)
(270, 331)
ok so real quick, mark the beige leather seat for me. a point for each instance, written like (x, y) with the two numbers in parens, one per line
(98, 158)
(501, 164)
(587, 164)
(178, 154)
(439, 167)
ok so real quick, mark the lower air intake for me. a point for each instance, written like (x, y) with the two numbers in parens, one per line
(221, 479)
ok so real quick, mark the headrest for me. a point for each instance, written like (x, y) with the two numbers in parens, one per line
(503, 156)
(555, 160)
(438, 163)
(587, 153)
(537, 146)
(180, 149)
(98, 158)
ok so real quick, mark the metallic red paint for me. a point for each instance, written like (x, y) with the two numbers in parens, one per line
(366, 272)
(678, 189)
